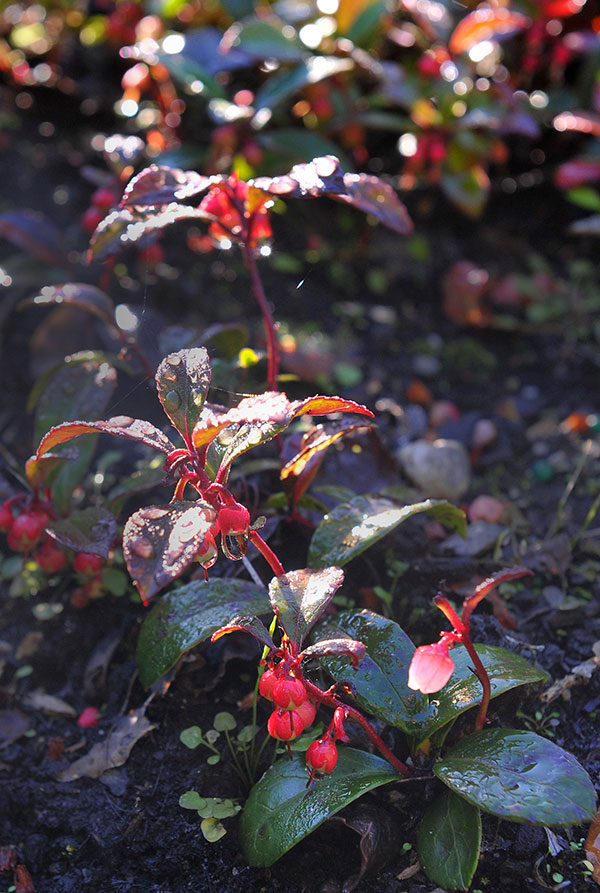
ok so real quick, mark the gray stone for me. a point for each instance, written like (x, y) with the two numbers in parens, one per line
(481, 537)
(440, 468)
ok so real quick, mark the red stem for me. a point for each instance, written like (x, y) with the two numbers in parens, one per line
(261, 300)
(322, 697)
(267, 553)
(483, 677)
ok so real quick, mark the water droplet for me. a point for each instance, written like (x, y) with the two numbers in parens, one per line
(142, 547)
(170, 376)
(146, 428)
(174, 360)
(120, 421)
(172, 401)
(153, 513)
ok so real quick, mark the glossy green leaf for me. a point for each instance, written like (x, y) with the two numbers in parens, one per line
(281, 86)
(86, 530)
(519, 776)
(281, 810)
(182, 381)
(190, 615)
(380, 677)
(266, 40)
(300, 597)
(353, 526)
(449, 840)
(505, 669)
(160, 542)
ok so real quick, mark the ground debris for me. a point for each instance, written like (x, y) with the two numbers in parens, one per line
(579, 675)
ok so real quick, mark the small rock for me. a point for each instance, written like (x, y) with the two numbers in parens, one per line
(481, 537)
(441, 469)
(426, 365)
(443, 411)
(484, 434)
(486, 508)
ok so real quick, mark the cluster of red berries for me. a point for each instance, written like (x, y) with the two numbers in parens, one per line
(25, 532)
(102, 200)
(120, 25)
(294, 711)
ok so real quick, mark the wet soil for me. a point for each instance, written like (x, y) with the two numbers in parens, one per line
(125, 831)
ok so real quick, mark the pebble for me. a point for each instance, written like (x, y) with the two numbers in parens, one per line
(486, 508)
(484, 433)
(426, 365)
(481, 537)
(440, 468)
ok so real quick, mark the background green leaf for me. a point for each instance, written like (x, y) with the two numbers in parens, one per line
(505, 669)
(353, 526)
(380, 678)
(281, 810)
(449, 840)
(519, 776)
(189, 615)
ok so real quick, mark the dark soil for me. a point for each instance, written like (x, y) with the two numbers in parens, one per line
(126, 831)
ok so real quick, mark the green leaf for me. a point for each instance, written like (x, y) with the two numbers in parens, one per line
(212, 829)
(293, 145)
(190, 615)
(468, 189)
(281, 86)
(224, 721)
(519, 776)
(281, 810)
(182, 381)
(505, 669)
(192, 799)
(380, 678)
(86, 530)
(192, 738)
(585, 197)
(268, 41)
(76, 294)
(300, 597)
(449, 840)
(353, 526)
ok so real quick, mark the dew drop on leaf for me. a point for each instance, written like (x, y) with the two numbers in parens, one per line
(142, 547)
(172, 401)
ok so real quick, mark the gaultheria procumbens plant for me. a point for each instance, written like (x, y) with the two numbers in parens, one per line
(513, 774)
(238, 214)
(160, 542)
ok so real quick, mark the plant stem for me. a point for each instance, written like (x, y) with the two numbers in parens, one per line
(268, 321)
(267, 553)
(483, 677)
(316, 694)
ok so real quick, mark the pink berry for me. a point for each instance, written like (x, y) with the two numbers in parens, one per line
(89, 718)
(289, 693)
(87, 563)
(285, 725)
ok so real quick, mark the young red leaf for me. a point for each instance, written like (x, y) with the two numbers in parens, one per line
(300, 598)
(125, 227)
(351, 648)
(579, 121)
(251, 625)
(160, 185)
(121, 426)
(160, 542)
(182, 381)
(485, 24)
(326, 405)
(321, 176)
(374, 197)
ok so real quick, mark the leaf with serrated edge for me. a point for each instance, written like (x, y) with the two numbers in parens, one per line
(519, 776)
(191, 614)
(281, 810)
(160, 542)
(300, 597)
(76, 294)
(86, 530)
(120, 426)
(251, 625)
(352, 527)
(505, 669)
(380, 680)
(161, 185)
(182, 381)
(449, 840)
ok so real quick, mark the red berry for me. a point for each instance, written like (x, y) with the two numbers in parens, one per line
(50, 557)
(285, 725)
(233, 519)
(267, 681)
(89, 718)
(87, 564)
(6, 517)
(152, 254)
(91, 218)
(104, 197)
(26, 530)
(307, 712)
(79, 600)
(322, 755)
(289, 693)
